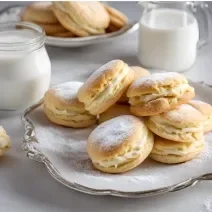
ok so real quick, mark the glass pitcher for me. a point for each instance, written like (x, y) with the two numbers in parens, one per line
(170, 34)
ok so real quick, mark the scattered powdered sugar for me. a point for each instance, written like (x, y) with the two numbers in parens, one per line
(206, 155)
(100, 71)
(183, 112)
(66, 149)
(207, 205)
(112, 133)
(11, 15)
(155, 79)
(67, 90)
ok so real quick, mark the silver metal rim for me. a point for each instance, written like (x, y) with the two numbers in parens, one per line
(35, 154)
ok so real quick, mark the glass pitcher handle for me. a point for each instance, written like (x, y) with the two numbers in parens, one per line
(206, 14)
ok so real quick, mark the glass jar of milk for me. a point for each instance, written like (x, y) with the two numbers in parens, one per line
(169, 34)
(25, 68)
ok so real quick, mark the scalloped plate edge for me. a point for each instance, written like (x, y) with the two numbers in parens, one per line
(35, 154)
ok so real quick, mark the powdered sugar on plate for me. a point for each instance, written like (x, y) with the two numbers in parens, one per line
(66, 150)
(67, 90)
(11, 15)
(207, 205)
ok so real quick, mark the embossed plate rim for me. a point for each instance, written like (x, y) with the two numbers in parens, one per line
(35, 154)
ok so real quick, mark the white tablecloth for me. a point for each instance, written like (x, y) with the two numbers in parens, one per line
(25, 185)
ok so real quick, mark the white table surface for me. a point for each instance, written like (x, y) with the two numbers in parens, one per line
(25, 185)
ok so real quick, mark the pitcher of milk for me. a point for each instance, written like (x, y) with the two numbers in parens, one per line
(169, 34)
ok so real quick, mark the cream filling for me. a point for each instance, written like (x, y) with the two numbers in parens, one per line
(76, 116)
(109, 89)
(172, 129)
(207, 122)
(164, 92)
(121, 159)
(184, 149)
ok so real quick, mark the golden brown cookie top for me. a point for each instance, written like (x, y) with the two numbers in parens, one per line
(155, 82)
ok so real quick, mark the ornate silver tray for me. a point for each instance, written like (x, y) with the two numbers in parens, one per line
(63, 152)
(12, 14)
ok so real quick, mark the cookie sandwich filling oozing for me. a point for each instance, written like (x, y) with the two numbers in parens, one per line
(171, 93)
(122, 159)
(111, 89)
(180, 150)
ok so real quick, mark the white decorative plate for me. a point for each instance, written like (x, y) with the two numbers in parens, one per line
(12, 14)
(63, 151)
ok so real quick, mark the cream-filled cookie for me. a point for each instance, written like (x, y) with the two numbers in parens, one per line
(138, 73)
(117, 18)
(52, 29)
(182, 124)
(39, 12)
(82, 18)
(114, 111)
(158, 93)
(62, 107)
(5, 142)
(206, 110)
(105, 86)
(119, 144)
(172, 152)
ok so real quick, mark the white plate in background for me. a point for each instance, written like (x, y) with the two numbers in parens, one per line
(12, 14)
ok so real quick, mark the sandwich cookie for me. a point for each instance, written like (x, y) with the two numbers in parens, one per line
(82, 18)
(171, 152)
(138, 73)
(62, 107)
(105, 86)
(64, 34)
(182, 124)
(52, 29)
(117, 18)
(39, 12)
(158, 93)
(206, 110)
(119, 144)
(5, 142)
(114, 111)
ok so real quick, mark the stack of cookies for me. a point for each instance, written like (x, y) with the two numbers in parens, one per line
(139, 115)
(74, 19)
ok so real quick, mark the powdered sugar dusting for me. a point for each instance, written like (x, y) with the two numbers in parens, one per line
(66, 149)
(183, 112)
(112, 133)
(155, 79)
(207, 205)
(102, 70)
(67, 90)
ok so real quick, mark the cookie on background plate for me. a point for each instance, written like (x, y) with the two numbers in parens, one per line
(82, 18)
(39, 12)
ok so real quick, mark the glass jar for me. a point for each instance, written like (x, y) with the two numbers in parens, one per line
(25, 68)
(170, 34)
